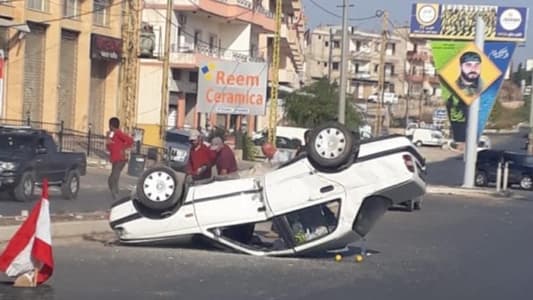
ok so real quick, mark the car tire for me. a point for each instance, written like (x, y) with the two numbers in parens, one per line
(418, 143)
(25, 188)
(160, 188)
(526, 182)
(332, 146)
(418, 204)
(481, 178)
(71, 186)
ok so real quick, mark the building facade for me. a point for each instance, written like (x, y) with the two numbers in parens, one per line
(324, 60)
(64, 65)
(206, 30)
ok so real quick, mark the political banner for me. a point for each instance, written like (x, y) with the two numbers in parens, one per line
(458, 21)
(467, 73)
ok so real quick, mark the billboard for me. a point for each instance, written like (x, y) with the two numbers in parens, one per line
(458, 22)
(231, 87)
(464, 78)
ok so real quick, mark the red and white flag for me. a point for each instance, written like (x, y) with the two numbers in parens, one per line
(30, 249)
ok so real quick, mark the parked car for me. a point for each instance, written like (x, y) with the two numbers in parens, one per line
(520, 168)
(27, 156)
(326, 199)
(425, 136)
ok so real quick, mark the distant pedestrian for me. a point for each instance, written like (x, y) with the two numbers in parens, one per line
(117, 143)
(225, 159)
(200, 158)
(274, 156)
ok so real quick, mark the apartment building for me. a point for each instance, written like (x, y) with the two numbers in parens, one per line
(60, 61)
(324, 60)
(202, 30)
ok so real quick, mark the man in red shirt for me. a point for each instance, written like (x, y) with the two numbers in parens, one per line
(200, 158)
(225, 159)
(117, 143)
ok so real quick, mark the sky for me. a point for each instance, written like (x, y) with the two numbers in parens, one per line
(399, 12)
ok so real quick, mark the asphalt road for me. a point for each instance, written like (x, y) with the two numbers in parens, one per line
(93, 196)
(452, 249)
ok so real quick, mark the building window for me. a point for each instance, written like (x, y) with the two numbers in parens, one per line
(335, 66)
(318, 62)
(212, 42)
(193, 76)
(176, 74)
(70, 9)
(376, 68)
(196, 38)
(101, 12)
(326, 44)
(356, 68)
(391, 49)
(41, 5)
(178, 42)
(336, 44)
(358, 46)
(377, 47)
(325, 64)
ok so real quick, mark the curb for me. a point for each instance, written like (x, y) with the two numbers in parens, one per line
(63, 229)
(473, 192)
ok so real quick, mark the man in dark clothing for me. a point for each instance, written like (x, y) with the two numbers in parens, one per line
(200, 159)
(117, 143)
(225, 159)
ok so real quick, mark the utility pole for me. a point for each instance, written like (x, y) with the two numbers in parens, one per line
(344, 62)
(129, 65)
(381, 70)
(409, 89)
(166, 70)
(530, 150)
(473, 116)
(330, 54)
(273, 120)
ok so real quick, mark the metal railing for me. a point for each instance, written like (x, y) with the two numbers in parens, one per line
(71, 140)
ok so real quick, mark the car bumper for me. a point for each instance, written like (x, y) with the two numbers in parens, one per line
(7, 179)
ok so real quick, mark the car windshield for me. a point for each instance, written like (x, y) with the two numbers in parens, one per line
(10, 142)
(178, 138)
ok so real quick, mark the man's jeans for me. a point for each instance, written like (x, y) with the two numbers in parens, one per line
(114, 178)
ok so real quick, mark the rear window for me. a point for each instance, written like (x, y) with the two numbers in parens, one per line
(11, 142)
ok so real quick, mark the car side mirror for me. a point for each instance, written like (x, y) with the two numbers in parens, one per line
(41, 150)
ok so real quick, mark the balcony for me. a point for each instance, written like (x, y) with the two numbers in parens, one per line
(362, 55)
(416, 78)
(418, 56)
(361, 75)
(187, 57)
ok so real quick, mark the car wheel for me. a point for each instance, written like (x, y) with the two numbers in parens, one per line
(481, 178)
(418, 143)
(71, 185)
(24, 190)
(526, 182)
(332, 145)
(410, 205)
(159, 188)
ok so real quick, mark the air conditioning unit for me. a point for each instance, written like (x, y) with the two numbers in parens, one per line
(182, 19)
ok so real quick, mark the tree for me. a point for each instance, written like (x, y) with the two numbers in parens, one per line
(318, 103)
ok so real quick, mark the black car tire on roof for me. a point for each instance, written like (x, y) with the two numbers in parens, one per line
(71, 186)
(332, 146)
(526, 182)
(25, 188)
(160, 188)
(481, 178)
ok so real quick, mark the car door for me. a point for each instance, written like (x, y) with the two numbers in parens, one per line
(229, 202)
(42, 160)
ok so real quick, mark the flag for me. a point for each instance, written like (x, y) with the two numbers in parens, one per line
(30, 249)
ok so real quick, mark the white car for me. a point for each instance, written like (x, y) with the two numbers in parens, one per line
(324, 199)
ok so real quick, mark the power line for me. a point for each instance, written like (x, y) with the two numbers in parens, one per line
(378, 13)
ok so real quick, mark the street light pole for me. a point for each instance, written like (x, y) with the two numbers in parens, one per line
(473, 116)
(344, 63)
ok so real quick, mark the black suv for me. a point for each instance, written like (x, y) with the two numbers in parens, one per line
(27, 156)
(520, 168)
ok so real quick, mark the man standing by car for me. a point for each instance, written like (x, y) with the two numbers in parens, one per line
(117, 143)
(274, 156)
(225, 159)
(200, 158)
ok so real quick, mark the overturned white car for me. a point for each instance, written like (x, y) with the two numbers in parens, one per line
(324, 199)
